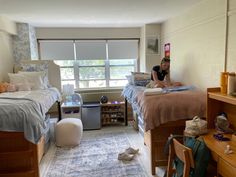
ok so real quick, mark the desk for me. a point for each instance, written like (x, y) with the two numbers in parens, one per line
(226, 164)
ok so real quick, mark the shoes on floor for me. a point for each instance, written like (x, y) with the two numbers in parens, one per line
(126, 157)
(131, 150)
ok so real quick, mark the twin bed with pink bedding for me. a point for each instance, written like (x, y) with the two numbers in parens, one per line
(164, 112)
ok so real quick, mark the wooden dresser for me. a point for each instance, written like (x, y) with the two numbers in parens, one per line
(217, 103)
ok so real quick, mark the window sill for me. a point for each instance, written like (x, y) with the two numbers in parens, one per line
(99, 90)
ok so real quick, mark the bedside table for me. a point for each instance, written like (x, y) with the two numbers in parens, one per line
(71, 110)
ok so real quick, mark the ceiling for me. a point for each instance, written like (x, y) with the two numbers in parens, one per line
(93, 13)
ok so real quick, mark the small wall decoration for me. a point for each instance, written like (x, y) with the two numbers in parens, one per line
(152, 45)
(167, 50)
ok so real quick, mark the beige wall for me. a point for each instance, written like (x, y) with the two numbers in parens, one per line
(86, 33)
(147, 61)
(152, 30)
(6, 58)
(7, 27)
(197, 40)
(231, 59)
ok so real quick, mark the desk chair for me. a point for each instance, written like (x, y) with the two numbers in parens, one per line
(176, 149)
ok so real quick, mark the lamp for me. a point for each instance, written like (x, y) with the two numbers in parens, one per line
(68, 91)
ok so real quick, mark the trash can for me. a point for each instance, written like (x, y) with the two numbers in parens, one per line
(91, 116)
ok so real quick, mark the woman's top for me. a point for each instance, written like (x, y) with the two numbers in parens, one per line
(160, 73)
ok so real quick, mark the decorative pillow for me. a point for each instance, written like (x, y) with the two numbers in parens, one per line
(140, 78)
(29, 67)
(17, 79)
(35, 79)
(3, 87)
(34, 67)
(41, 79)
(129, 79)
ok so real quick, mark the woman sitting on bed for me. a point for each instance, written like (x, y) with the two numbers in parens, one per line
(161, 75)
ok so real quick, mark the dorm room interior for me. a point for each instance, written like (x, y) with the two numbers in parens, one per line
(72, 102)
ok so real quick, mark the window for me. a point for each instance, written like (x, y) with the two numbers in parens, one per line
(92, 63)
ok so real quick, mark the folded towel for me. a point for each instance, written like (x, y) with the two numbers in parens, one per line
(153, 91)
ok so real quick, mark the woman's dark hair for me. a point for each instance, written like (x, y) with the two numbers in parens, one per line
(164, 60)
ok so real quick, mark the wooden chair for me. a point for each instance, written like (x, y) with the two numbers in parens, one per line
(176, 149)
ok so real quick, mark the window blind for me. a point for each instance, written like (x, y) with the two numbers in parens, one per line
(57, 50)
(90, 49)
(122, 49)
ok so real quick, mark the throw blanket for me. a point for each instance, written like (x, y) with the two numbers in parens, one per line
(24, 111)
(162, 108)
(22, 114)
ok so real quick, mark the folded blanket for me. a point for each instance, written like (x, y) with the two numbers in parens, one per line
(153, 91)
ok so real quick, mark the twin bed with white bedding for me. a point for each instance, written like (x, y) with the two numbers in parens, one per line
(24, 125)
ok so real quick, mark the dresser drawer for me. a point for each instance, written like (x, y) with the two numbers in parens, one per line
(225, 169)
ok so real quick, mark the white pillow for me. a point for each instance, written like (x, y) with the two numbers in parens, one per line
(23, 87)
(17, 79)
(20, 81)
(35, 79)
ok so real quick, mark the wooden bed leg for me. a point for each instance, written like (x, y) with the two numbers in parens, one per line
(152, 155)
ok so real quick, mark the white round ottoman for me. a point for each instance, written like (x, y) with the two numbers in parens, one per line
(69, 132)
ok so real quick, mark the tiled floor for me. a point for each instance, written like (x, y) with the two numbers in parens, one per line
(136, 141)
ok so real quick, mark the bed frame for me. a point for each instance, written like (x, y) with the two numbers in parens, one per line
(19, 157)
(156, 139)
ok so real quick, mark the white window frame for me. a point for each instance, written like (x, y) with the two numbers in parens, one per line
(107, 66)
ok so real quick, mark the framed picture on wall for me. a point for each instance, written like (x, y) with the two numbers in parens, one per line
(152, 46)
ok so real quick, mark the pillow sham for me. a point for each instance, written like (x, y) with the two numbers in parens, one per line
(19, 81)
(140, 78)
(129, 79)
(30, 67)
(35, 79)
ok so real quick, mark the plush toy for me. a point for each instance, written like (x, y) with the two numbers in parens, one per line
(3, 87)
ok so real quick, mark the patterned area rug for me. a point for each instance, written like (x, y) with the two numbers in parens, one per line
(96, 156)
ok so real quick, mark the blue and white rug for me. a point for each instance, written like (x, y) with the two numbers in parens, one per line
(96, 156)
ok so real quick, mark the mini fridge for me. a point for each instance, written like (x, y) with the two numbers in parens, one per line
(91, 116)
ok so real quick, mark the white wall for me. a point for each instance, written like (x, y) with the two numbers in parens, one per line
(197, 40)
(7, 28)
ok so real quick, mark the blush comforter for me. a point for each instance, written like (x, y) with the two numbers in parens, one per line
(169, 106)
